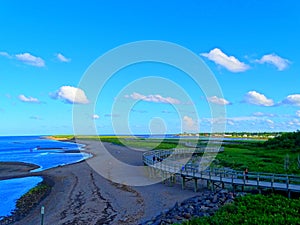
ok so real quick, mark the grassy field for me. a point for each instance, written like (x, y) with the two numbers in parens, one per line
(258, 159)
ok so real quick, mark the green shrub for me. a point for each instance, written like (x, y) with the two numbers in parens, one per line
(253, 210)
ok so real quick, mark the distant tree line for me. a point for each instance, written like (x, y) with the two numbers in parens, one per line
(285, 141)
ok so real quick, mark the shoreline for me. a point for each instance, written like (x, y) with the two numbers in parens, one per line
(79, 195)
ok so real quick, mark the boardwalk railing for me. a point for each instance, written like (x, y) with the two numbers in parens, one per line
(174, 162)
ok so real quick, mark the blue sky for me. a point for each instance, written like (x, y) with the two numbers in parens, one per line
(252, 48)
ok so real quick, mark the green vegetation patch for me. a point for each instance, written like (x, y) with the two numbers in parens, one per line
(133, 142)
(258, 158)
(255, 209)
(289, 141)
(32, 197)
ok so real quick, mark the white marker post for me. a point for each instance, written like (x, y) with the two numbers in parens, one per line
(42, 213)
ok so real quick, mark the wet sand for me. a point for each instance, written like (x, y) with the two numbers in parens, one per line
(81, 196)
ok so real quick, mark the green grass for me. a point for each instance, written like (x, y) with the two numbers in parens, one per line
(144, 144)
(253, 210)
(257, 158)
(135, 142)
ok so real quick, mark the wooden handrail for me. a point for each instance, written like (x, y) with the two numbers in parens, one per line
(222, 173)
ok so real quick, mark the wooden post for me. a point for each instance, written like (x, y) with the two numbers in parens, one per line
(272, 181)
(163, 176)
(42, 214)
(183, 183)
(195, 185)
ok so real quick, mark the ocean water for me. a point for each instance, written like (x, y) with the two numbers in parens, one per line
(13, 189)
(32, 149)
(42, 152)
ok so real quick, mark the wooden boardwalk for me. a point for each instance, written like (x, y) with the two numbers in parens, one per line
(168, 165)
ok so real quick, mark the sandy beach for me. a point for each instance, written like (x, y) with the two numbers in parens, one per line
(81, 196)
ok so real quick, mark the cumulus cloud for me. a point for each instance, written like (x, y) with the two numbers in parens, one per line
(95, 116)
(218, 101)
(72, 95)
(255, 98)
(229, 62)
(189, 124)
(29, 59)
(29, 99)
(292, 100)
(275, 60)
(298, 113)
(153, 98)
(62, 58)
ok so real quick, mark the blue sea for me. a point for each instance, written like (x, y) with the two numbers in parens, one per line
(35, 150)
(13, 189)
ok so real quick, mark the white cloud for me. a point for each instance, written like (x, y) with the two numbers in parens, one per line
(230, 122)
(218, 101)
(255, 98)
(71, 95)
(294, 122)
(62, 58)
(95, 116)
(261, 114)
(5, 54)
(153, 98)
(189, 124)
(29, 59)
(298, 113)
(229, 62)
(29, 99)
(242, 118)
(292, 100)
(277, 61)
(258, 114)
